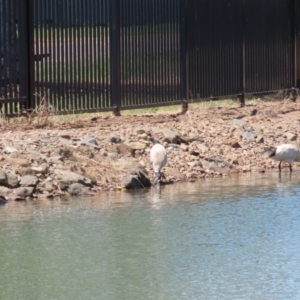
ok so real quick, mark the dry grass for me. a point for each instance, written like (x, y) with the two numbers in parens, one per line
(46, 115)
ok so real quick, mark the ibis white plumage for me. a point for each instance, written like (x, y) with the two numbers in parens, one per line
(158, 157)
(285, 152)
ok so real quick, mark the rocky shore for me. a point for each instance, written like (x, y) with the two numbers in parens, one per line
(42, 158)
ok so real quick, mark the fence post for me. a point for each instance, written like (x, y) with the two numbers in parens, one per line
(241, 94)
(295, 35)
(26, 55)
(115, 61)
(184, 55)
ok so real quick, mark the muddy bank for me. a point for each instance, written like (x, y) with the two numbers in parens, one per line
(45, 158)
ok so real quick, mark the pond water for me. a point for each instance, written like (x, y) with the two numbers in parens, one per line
(232, 238)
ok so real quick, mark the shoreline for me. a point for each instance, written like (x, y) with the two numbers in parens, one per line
(47, 158)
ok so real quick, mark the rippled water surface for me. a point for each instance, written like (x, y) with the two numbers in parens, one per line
(233, 238)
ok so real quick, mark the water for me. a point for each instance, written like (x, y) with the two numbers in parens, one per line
(234, 238)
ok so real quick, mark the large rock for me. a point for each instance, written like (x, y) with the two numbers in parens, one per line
(137, 179)
(77, 189)
(66, 178)
(29, 180)
(3, 178)
(2, 201)
(8, 179)
(4, 192)
(22, 193)
(12, 180)
(169, 135)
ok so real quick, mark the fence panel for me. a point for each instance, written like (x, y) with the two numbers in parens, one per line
(13, 56)
(72, 67)
(150, 52)
(215, 55)
(268, 45)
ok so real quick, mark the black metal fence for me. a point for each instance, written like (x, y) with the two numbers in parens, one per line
(97, 55)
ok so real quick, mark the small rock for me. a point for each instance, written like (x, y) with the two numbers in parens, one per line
(22, 162)
(143, 136)
(43, 169)
(260, 139)
(208, 165)
(140, 131)
(62, 151)
(246, 168)
(123, 149)
(170, 136)
(238, 122)
(233, 143)
(194, 137)
(9, 149)
(202, 148)
(65, 136)
(248, 135)
(290, 136)
(90, 142)
(192, 164)
(55, 159)
(184, 147)
(114, 140)
(25, 171)
(137, 146)
(112, 154)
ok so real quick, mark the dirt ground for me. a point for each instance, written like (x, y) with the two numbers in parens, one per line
(210, 140)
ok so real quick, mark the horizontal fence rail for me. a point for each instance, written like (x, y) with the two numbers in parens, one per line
(108, 55)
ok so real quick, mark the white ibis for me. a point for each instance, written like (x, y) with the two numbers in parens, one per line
(285, 152)
(158, 157)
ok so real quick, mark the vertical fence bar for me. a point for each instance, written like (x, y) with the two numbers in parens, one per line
(297, 43)
(115, 67)
(184, 52)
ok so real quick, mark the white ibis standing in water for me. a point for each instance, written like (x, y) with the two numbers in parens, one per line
(285, 152)
(158, 157)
